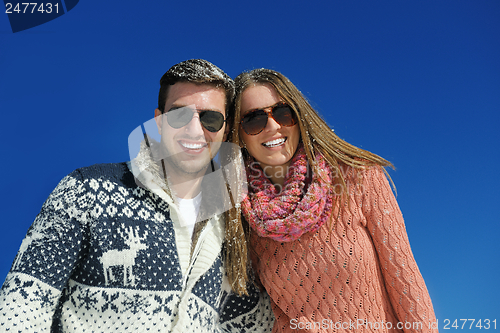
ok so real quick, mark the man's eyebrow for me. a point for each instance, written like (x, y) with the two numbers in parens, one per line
(180, 106)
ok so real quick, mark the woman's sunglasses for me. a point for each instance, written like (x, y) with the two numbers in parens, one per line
(180, 117)
(255, 121)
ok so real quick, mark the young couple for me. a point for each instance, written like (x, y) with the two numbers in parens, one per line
(153, 245)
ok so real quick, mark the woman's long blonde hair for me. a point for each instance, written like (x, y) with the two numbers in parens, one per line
(316, 135)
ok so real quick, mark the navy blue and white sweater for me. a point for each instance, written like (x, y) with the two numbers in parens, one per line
(107, 255)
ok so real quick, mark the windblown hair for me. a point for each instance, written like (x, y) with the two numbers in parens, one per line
(315, 133)
(197, 71)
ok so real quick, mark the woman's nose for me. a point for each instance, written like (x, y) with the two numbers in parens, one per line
(272, 125)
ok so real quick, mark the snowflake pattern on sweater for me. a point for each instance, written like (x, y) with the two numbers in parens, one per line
(107, 255)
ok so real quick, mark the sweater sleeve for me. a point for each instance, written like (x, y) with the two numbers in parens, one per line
(45, 260)
(405, 285)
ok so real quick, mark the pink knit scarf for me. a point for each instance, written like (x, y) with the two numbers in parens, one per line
(286, 214)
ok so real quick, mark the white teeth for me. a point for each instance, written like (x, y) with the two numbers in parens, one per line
(192, 145)
(274, 143)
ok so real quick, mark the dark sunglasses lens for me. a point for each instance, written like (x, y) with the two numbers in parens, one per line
(284, 115)
(180, 117)
(254, 122)
(212, 120)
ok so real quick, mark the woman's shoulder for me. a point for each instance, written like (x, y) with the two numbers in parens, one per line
(361, 168)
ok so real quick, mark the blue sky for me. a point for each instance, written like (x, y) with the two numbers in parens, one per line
(415, 82)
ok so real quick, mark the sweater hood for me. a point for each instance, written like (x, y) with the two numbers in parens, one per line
(147, 172)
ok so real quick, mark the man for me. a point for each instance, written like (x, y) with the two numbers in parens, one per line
(118, 247)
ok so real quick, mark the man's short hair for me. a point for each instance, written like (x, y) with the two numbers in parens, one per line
(197, 71)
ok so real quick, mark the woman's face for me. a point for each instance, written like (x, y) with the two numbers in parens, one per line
(276, 144)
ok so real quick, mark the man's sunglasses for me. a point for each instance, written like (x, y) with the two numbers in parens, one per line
(180, 117)
(255, 121)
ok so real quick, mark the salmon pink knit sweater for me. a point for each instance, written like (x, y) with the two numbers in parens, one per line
(355, 273)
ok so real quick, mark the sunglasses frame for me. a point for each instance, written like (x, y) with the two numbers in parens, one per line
(269, 112)
(200, 112)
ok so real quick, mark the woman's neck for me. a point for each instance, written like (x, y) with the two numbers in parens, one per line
(276, 173)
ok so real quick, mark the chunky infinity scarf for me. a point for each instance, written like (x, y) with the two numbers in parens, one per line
(285, 214)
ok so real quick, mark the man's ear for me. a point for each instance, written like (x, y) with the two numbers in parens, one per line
(158, 119)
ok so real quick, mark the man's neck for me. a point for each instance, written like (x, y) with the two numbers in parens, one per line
(187, 189)
(184, 185)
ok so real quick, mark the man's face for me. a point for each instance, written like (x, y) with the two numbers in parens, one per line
(190, 148)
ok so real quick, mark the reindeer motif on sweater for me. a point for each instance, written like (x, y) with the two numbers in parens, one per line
(124, 257)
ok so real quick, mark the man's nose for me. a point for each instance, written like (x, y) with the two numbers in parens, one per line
(194, 127)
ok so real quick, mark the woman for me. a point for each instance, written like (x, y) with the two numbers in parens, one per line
(327, 238)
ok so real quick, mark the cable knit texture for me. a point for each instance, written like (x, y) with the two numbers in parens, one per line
(355, 273)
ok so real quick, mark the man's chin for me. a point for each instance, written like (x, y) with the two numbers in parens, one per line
(190, 168)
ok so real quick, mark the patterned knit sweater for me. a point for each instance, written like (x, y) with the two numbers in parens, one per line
(107, 255)
(355, 273)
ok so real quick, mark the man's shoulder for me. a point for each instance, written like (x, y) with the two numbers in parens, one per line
(104, 168)
(114, 172)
